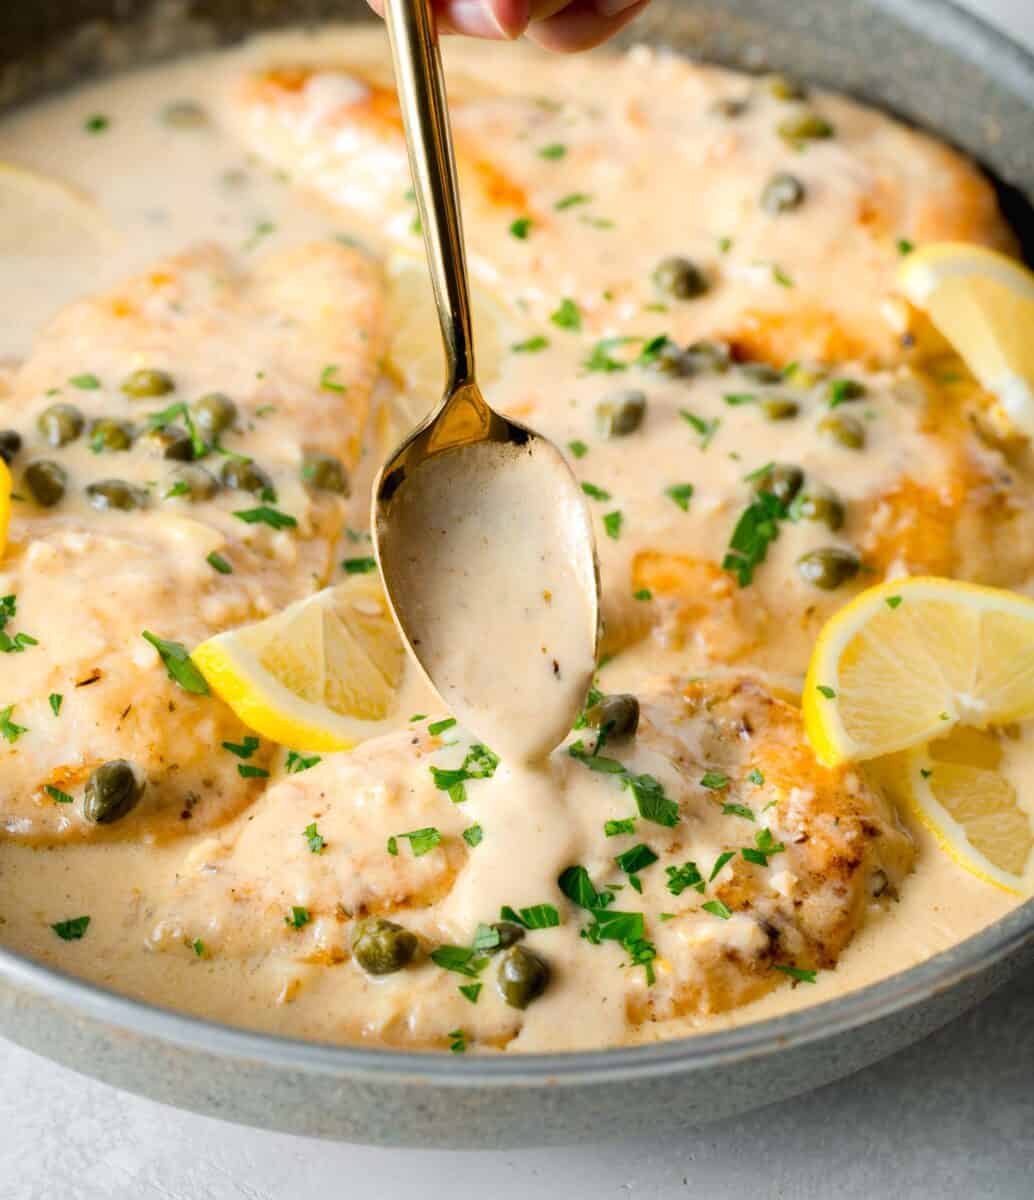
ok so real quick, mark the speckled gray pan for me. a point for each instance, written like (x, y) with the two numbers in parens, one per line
(930, 63)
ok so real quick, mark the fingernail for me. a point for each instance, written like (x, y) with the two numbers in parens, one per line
(475, 19)
(611, 8)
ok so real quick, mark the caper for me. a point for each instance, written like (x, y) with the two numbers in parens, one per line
(147, 383)
(829, 567)
(195, 483)
(805, 127)
(782, 194)
(173, 442)
(819, 504)
(845, 430)
(108, 494)
(509, 935)
(326, 473)
(215, 413)
(46, 481)
(620, 413)
(783, 87)
(761, 372)
(522, 976)
(708, 356)
(60, 424)
(803, 376)
(111, 792)
(245, 476)
(779, 408)
(616, 717)
(108, 434)
(782, 480)
(10, 444)
(843, 391)
(680, 278)
(381, 947)
(184, 114)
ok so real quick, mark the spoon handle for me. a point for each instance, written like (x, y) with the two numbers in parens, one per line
(421, 89)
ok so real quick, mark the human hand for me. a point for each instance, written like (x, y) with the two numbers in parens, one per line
(563, 25)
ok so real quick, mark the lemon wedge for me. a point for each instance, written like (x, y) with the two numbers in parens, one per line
(909, 660)
(415, 350)
(324, 674)
(958, 788)
(5, 505)
(983, 303)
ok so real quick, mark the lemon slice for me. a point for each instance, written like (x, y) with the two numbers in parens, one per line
(5, 505)
(983, 303)
(324, 674)
(415, 350)
(907, 661)
(957, 789)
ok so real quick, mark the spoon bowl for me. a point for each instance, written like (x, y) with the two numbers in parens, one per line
(482, 534)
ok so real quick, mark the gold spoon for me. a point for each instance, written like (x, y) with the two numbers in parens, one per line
(481, 531)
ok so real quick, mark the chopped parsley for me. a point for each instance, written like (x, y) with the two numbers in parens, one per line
(248, 772)
(8, 729)
(531, 345)
(612, 523)
(314, 838)
(925, 772)
(578, 449)
(601, 359)
(554, 150)
(461, 959)
(8, 644)
(471, 991)
(797, 974)
(765, 847)
(642, 594)
(473, 834)
(97, 123)
(72, 929)
(706, 429)
(686, 876)
(329, 381)
(298, 762)
(637, 859)
(628, 928)
(537, 916)
(521, 228)
(724, 245)
(720, 862)
(843, 391)
(85, 383)
(264, 515)
(218, 563)
(56, 794)
(178, 663)
(905, 246)
(298, 917)
(359, 566)
(198, 946)
(717, 909)
(781, 277)
(651, 800)
(479, 763)
(615, 828)
(826, 691)
(893, 601)
(243, 749)
(756, 529)
(738, 399)
(572, 200)
(567, 316)
(421, 841)
(55, 700)
(754, 776)
(714, 780)
(458, 1042)
(594, 492)
(262, 229)
(738, 810)
(681, 493)
(160, 420)
(437, 727)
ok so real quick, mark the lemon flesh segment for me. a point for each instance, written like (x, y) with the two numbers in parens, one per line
(983, 303)
(5, 505)
(910, 659)
(974, 811)
(322, 675)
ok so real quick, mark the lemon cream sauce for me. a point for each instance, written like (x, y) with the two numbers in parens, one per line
(132, 170)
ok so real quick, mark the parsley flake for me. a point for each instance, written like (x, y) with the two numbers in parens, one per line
(314, 838)
(421, 841)
(178, 663)
(8, 729)
(756, 529)
(754, 776)
(56, 794)
(521, 228)
(458, 1043)
(85, 383)
(612, 523)
(738, 810)
(642, 594)
(473, 835)
(615, 828)
(329, 381)
(571, 200)
(567, 316)
(553, 151)
(826, 691)
(248, 772)
(578, 449)
(537, 916)
(298, 762)
(97, 123)
(243, 749)
(636, 859)
(716, 908)
(681, 493)
(479, 763)
(298, 917)
(594, 492)
(531, 345)
(714, 780)
(218, 563)
(437, 727)
(264, 515)
(71, 930)
(893, 601)
(705, 428)
(797, 974)
(55, 699)
(686, 876)
(720, 862)
(359, 566)
(471, 991)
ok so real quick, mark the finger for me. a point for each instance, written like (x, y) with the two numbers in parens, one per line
(500, 20)
(584, 24)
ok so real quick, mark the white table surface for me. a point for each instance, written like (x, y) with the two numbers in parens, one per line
(951, 1118)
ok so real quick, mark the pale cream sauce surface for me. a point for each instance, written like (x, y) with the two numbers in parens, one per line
(152, 190)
